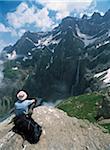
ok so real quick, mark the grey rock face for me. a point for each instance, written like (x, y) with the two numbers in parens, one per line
(60, 132)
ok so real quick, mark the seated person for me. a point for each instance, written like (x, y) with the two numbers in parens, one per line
(24, 124)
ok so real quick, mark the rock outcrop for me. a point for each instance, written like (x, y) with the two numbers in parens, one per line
(60, 132)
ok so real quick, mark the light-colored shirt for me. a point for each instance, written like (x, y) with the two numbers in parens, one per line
(21, 107)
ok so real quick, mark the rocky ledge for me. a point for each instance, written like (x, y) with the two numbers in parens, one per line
(60, 132)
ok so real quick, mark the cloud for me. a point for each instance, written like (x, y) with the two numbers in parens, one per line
(43, 20)
(13, 32)
(21, 32)
(29, 15)
(62, 14)
(2, 44)
(64, 8)
(92, 8)
(3, 28)
(21, 16)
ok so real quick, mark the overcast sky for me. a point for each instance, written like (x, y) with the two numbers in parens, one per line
(16, 17)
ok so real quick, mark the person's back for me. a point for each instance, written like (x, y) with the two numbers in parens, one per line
(22, 104)
(22, 107)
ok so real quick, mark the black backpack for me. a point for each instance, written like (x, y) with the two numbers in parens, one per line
(27, 128)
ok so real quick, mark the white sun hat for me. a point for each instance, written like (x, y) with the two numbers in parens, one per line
(22, 95)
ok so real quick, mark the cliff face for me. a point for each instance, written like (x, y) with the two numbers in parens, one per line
(60, 132)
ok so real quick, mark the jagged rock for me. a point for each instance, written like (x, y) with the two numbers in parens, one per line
(60, 132)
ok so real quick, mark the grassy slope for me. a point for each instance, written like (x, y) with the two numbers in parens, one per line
(83, 106)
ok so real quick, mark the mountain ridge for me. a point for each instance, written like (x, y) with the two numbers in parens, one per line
(62, 62)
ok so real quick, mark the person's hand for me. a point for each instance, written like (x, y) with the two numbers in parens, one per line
(34, 100)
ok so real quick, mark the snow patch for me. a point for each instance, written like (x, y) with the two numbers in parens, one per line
(11, 56)
(99, 74)
(55, 41)
(33, 49)
(49, 41)
(70, 27)
(106, 78)
(39, 42)
(48, 65)
(101, 44)
(57, 34)
(14, 68)
(51, 60)
(106, 42)
(85, 38)
(46, 40)
(35, 44)
(29, 39)
(25, 58)
(52, 50)
(29, 53)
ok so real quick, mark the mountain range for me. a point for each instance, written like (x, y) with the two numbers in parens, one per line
(72, 59)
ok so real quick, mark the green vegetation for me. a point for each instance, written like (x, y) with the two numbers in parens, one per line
(8, 71)
(106, 126)
(83, 106)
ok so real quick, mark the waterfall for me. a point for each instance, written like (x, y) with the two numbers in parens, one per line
(77, 76)
(77, 73)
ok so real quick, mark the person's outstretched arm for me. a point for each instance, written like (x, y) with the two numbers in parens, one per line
(29, 102)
